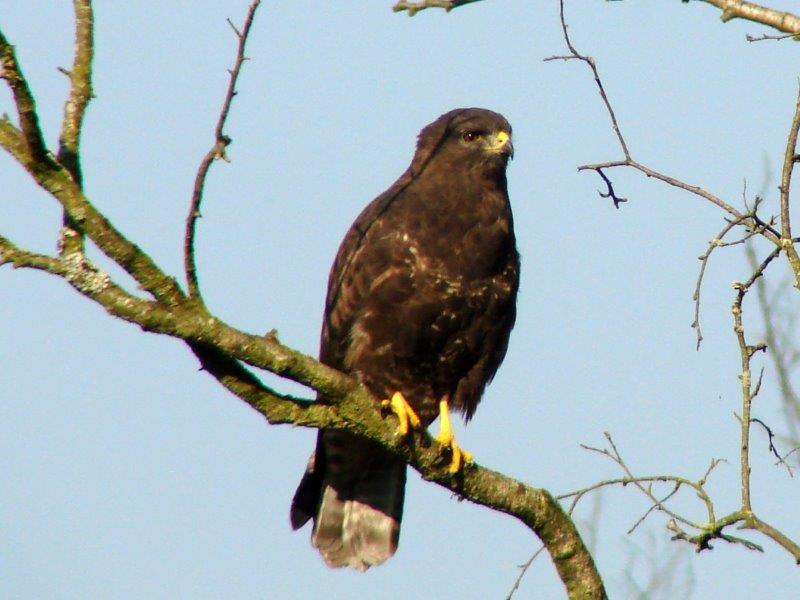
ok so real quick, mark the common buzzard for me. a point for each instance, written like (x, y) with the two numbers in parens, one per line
(421, 302)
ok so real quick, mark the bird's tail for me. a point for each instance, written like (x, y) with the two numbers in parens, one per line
(354, 491)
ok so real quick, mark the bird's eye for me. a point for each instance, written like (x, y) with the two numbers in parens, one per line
(471, 136)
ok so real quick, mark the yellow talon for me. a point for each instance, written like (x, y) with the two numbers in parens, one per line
(445, 438)
(405, 414)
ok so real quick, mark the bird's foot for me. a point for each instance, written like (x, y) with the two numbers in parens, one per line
(406, 415)
(458, 456)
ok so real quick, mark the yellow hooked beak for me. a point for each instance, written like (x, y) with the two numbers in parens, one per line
(502, 144)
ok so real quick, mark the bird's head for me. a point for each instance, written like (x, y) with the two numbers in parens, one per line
(466, 137)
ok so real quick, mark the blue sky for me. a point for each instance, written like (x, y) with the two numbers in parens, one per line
(127, 473)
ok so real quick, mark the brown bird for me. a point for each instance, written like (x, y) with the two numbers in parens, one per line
(421, 302)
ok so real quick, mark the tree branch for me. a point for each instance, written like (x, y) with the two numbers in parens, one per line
(746, 353)
(80, 78)
(790, 159)
(23, 99)
(221, 142)
(353, 409)
(534, 507)
(757, 524)
(713, 244)
(26, 146)
(739, 9)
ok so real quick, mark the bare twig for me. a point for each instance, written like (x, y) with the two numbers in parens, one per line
(715, 243)
(760, 38)
(574, 54)
(609, 193)
(577, 495)
(654, 506)
(773, 448)
(714, 528)
(638, 482)
(221, 142)
(744, 219)
(523, 568)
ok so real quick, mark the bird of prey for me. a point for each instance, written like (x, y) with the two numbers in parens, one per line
(421, 301)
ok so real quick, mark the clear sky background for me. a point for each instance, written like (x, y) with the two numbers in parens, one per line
(126, 473)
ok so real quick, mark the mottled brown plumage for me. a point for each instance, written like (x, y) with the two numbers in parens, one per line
(421, 300)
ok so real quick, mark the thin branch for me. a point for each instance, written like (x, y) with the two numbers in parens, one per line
(217, 151)
(760, 38)
(772, 447)
(713, 244)
(790, 159)
(85, 277)
(80, 77)
(523, 568)
(697, 486)
(739, 9)
(609, 193)
(655, 506)
(748, 221)
(614, 455)
(779, 347)
(746, 353)
(574, 54)
(414, 7)
(23, 99)
(731, 9)
(714, 528)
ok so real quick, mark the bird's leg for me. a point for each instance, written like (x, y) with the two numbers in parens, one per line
(405, 414)
(445, 437)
